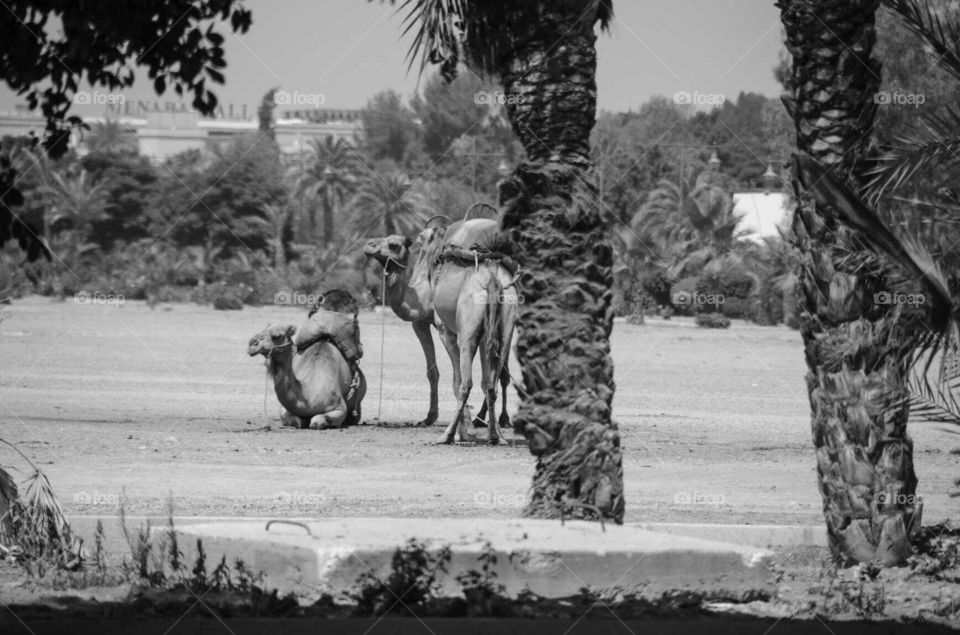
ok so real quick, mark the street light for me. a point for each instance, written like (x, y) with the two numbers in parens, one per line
(714, 162)
(770, 178)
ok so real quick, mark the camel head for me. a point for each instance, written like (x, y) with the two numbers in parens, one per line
(392, 252)
(270, 339)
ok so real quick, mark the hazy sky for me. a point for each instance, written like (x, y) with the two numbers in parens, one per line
(347, 50)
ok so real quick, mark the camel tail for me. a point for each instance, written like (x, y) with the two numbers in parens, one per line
(493, 327)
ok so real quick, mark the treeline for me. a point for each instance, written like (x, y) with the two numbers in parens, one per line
(241, 222)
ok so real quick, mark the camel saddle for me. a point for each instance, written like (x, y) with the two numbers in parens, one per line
(473, 256)
(341, 329)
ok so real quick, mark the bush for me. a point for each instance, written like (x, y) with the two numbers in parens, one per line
(712, 321)
(730, 283)
(656, 285)
(227, 297)
(737, 308)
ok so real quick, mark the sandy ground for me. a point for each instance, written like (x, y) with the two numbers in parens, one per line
(165, 402)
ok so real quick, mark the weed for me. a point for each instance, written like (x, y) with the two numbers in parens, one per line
(483, 594)
(411, 584)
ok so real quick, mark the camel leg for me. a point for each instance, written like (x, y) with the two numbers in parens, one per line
(488, 384)
(468, 350)
(504, 384)
(453, 349)
(422, 329)
(331, 418)
(288, 420)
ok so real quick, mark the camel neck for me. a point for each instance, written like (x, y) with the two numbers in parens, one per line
(280, 368)
(405, 292)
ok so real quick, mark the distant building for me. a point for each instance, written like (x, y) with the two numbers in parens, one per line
(762, 213)
(164, 129)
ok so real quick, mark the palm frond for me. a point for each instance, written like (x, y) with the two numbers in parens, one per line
(828, 189)
(932, 398)
(933, 143)
(940, 35)
(935, 399)
(40, 528)
(482, 35)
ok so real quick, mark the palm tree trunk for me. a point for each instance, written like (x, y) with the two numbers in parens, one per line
(328, 209)
(856, 378)
(553, 216)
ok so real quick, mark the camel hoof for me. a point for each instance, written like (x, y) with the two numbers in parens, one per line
(288, 420)
(426, 423)
(323, 425)
(444, 440)
(495, 441)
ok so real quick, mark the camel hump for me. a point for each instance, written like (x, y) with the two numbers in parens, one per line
(340, 328)
(482, 232)
(336, 300)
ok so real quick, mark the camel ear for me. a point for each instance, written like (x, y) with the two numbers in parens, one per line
(291, 329)
(407, 241)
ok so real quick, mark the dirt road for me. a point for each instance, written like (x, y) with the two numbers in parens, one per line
(157, 402)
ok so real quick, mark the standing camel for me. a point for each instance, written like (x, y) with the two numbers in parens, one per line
(475, 303)
(410, 295)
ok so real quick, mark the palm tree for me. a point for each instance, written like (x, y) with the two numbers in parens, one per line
(544, 55)
(278, 218)
(331, 177)
(857, 379)
(387, 198)
(74, 204)
(690, 227)
(13, 226)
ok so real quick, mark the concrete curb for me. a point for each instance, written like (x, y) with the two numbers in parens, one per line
(767, 536)
(549, 559)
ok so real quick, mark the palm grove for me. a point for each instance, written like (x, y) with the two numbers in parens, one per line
(613, 213)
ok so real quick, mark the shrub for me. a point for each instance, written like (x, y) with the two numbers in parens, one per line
(656, 285)
(738, 308)
(227, 297)
(712, 320)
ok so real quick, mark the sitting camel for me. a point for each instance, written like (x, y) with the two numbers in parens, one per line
(316, 386)
(410, 295)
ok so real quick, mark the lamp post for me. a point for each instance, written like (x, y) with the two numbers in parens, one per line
(770, 177)
(714, 161)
